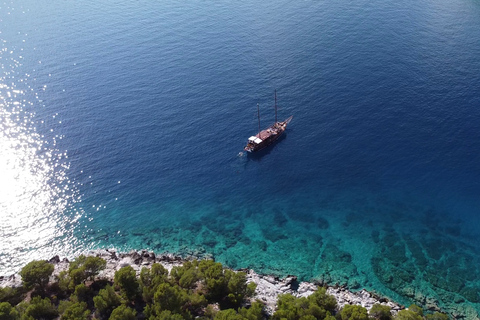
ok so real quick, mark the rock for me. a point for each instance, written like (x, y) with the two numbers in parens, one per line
(54, 260)
(125, 262)
(268, 286)
(136, 257)
(152, 256)
(11, 281)
(289, 280)
(271, 279)
(113, 256)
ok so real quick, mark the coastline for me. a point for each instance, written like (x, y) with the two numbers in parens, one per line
(268, 287)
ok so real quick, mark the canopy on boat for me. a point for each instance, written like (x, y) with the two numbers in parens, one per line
(255, 139)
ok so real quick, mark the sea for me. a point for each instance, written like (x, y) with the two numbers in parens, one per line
(122, 126)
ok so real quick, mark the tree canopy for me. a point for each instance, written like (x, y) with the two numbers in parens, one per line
(36, 273)
(195, 290)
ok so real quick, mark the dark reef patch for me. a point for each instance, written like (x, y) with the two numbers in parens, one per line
(301, 215)
(279, 218)
(322, 223)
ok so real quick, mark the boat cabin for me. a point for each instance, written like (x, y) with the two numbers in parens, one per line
(254, 139)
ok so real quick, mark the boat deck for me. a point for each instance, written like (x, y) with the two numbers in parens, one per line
(264, 134)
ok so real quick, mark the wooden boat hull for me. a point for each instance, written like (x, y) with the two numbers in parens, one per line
(267, 137)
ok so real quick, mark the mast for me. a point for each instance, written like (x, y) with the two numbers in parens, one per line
(258, 112)
(275, 105)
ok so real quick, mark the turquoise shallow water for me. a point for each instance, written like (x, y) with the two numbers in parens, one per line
(122, 125)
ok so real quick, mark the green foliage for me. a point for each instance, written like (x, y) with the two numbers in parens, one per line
(64, 280)
(188, 279)
(11, 295)
(237, 288)
(195, 303)
(291, 308)
(167, 315)
(38, 308)
(408, 315)
(123, 313)
(227, 287)
(416, 309)
(287, 308)
(255, 312)
(319, 305)
(186, 275)
(36, 273)
(7, 312)
(437, 316)
(126, 280)
(154, 276)
(77, 276)
(168, 297)
(106, 301)
(70, 310)
(350, 312)
(63, 305)
(324, 300)
(380, 312)
(197, 289)
(84, 268)
(229, 314)
(214, 279)
(93, 266)
(82, 293)
(150, 279)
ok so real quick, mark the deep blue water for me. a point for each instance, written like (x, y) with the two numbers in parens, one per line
(123, 125)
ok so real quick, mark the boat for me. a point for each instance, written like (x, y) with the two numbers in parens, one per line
(266, 137)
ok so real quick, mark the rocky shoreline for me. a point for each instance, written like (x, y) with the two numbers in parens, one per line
(268, 287)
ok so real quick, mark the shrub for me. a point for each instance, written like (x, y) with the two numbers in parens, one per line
(83, 268)
(168, 297)
(324, 300)
(168, 315)
(150, 279)
(36, 273)
(214, 279)
(64, 280)
(82, 293)
(38, 308)
(350, 312)
(7, 312)
(186, 275)
(188, 279)
(126, 280)
(286, 308)
(12, 295)
(229, 314)
(73, 310)
(255, 312)
(380, 312)
(154, 276)
(416, 309)
(123, 313)
(93, 266)
(291, 308)
(106, 301)
(237, 288)
(408, 315)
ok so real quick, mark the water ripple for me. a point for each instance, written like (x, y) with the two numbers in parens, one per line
(34, 187)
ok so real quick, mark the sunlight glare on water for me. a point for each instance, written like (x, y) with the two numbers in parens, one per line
(34, 188)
